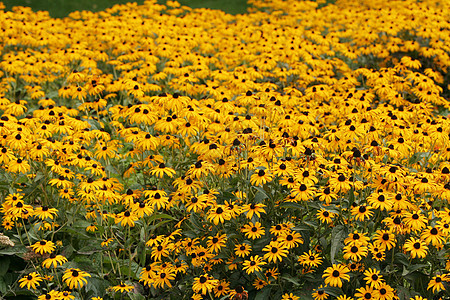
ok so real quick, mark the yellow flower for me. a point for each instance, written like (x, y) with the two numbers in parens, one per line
(122, 287)
(336, 274)
(253, 265)
(54, 260)
(43, 246)
(31, 281)
(204, 284)
(75, 278)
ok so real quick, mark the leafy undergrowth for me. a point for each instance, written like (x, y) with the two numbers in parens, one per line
(300, 150)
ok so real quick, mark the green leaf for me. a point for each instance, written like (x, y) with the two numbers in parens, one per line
(160, 216)
(332, 209)
(302, 227)
(293, 205)
(264, 293)
(17, 249)
(89, 249)
(416, 157)
(141, 254)
(338, 234)
(3, 287)
(134, 296)
(404, 293)
(260, 196)
(125, 269)
(412, 268)
(401, 258)
(291, 279)
(159, 224)
(4, 264)
(333, 291)
(97, 286)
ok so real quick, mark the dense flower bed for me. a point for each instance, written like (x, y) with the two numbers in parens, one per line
(298, 151)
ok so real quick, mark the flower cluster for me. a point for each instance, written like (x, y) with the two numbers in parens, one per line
(161, 151)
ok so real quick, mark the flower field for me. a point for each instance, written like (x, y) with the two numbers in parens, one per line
(298, 151)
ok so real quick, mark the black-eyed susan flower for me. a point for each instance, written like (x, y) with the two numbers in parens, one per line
(373, 278)
(54, 260)
(384, 292)
(325, 216)
(161, 170)
(416, 247)
(215, 243)
(66, 295)
(319, 294)
(336, 274)
(163, 278)
(75, 278)
(377, 252)
(126, 218)
(253, 230)
(327, 195)
(242, 250)
(310, 259)
(275, 251)
(204, 284)
(362, 212)
(253, 264)
(364, 293)
(253, 209)
(272, 274)
(291, 239)
(43, 246)
(415, 220)
(340, 183)
(303, 192)
(260, 177)
(161, 250)
(436, 284)
(384, 239)
(222, 288)
(45, 212)
(357, 238)
(219, 214)
(51, 295)
(259, 283)
(433, 235)
(381, 201)
(31, 281)
(289, 296)
(122, 287)
(355, 252)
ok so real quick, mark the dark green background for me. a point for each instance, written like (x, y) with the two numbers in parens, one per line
(61, 8)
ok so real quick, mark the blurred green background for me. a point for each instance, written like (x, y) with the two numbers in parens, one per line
(61, 8)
